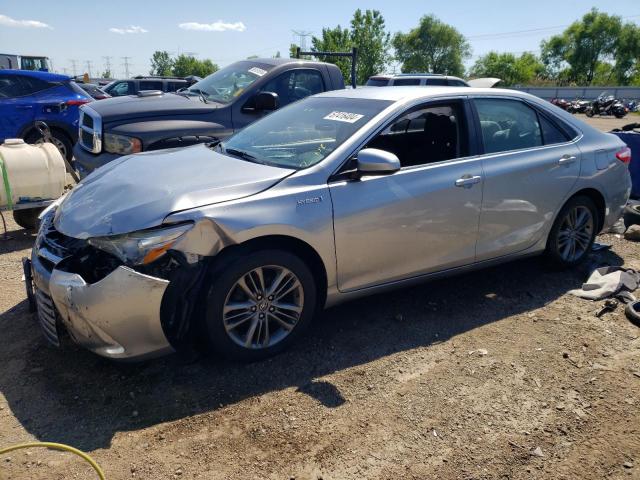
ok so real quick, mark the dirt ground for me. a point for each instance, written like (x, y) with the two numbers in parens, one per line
(498, 374)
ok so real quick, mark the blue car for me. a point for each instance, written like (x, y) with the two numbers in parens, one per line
(28, 96)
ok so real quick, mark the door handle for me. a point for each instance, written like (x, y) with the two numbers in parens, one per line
(468, 181)
(567, 160)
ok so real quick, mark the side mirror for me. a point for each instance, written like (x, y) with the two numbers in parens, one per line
(372, 161)
(266, 101)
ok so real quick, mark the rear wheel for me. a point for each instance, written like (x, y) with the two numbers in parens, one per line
(27, 218)
(259, 304)
(58, 138)
(573, 232)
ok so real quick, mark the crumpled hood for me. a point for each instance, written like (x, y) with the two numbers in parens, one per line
(138, 191)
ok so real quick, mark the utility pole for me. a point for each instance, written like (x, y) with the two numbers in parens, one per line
(74, 64)
(107, 64)
(89, 62)
(126, 65)
(302, 38)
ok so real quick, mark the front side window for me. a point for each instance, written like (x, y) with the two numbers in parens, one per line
(425, 134)
(507, 125)
(304, 133)
(295, 85)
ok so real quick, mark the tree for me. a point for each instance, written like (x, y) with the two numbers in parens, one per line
(336, 39)
(433, 46)
(368, 35)
(161, 63)
(185, 65)
(106, 74)
(583, 46)
(627, 54)
(513, 70)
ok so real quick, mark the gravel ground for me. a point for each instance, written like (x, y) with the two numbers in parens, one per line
(498, 374)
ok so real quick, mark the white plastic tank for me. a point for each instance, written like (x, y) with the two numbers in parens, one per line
(30, 173)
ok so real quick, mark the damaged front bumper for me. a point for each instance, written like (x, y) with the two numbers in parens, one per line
(116, 317)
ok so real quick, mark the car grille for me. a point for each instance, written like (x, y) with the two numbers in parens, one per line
(90, 130)
(47, 317)
(53, 246)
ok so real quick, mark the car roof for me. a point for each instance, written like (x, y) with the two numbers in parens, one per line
(396, 94)
(46, 76)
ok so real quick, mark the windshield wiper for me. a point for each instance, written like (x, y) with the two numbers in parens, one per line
(240, 154)
(200, 94)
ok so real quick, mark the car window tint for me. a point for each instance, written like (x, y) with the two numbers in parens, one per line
(150, 85)
(456, 83)
(377, 82)
(507, 125)
(406, 81)
(436, 81)
(425, 134)
(295, 85)
(175, 86)
(33, 85)
(550, 133)
(11, 86)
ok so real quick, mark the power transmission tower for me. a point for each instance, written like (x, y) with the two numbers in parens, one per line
(74, 64)
(107, 64)
(126, 66)
(302, 38)
(89, 62)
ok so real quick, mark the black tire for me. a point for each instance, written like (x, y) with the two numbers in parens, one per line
(620, 115)
(632, 311)
(223, 286)
(554, 251)
(589, 112)
(27, 218)
(632, 213)
(61, 140)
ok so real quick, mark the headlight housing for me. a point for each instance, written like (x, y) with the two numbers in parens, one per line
(143, 247)
(121, 144)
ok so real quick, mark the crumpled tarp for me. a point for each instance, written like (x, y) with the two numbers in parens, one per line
(607, 282)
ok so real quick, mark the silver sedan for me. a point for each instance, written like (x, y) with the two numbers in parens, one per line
(238, 244)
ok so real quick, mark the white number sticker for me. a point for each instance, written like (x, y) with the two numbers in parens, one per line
(257, 71)
(344, 117)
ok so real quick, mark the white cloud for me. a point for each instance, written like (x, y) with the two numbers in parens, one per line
(129, 29)
(12, 22)
(218, 26)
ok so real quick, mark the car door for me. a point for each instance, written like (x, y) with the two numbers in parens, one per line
(530, 165)
(290, 86)
(420, 219)
(16, 106)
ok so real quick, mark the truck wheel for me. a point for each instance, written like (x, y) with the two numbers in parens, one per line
(258, 304)
(573, 232)
(27, 218)
(58, 138)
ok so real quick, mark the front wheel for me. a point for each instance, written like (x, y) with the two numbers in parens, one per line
(259, 304)
(573, 232)
(589, 112)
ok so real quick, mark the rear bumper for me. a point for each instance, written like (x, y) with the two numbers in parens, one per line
(86, 162)
(117, 317)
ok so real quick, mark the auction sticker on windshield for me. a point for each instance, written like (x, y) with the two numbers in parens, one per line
(344, 117)
(257, 71)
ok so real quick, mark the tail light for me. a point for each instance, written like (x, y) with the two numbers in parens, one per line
(624, 155)
(77, 102)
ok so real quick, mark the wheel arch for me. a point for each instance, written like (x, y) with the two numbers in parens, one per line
(598, 199)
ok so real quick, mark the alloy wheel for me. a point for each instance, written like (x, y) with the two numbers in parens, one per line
(57, 142)
(263, 307)
(575, 233)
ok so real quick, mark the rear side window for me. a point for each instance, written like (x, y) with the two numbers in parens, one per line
(121, 88)
(507, 125)
(150, 85)
(550, 133)
(175, 86)
(34, 85)
(377, 82)
(406, 81)
(11, 87)
(457, 83)
(437, 81)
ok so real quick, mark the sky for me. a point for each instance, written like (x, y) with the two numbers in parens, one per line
(68, 30)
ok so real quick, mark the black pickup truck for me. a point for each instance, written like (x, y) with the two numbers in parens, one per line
(209, 110)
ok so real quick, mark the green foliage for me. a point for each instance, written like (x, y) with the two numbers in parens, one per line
(433, 46)
(161, 63)
(513, 70)
(368, 34)
(106, 74)
(185, 65)
(584, 46)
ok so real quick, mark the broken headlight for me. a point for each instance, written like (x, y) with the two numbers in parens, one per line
(143, 247)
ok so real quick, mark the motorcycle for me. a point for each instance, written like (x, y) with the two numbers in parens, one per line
(631, 105)
(606, 104)
(578, 106)
(561, 102)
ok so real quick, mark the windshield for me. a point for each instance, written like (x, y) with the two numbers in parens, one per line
(226, 84)
(303, 133)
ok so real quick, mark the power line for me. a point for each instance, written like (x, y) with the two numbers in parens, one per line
(88, 64)
(302, 38)
(126, 66)
(74, 64)
(107, 64)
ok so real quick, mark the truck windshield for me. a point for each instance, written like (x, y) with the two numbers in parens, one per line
(226, 84)
(303, 133)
